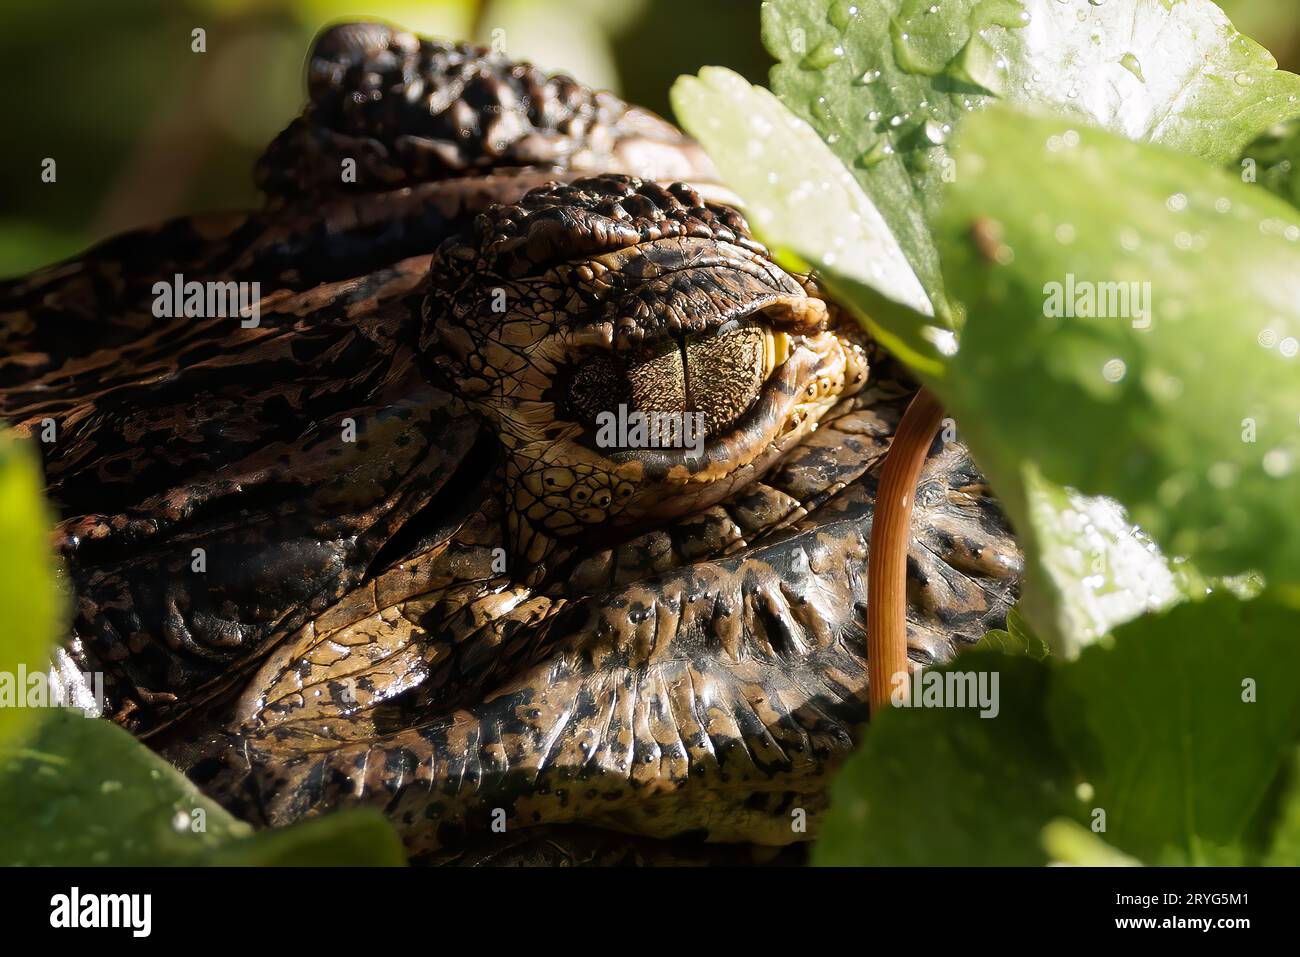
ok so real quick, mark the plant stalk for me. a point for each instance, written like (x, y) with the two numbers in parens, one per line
(891, 535)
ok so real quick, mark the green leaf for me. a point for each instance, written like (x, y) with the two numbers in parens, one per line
(884, 82)
(1068, 842)
(918, 340)
(1172, 72)
(1015, 639)
(837, 71)
(1181, 727)
(1272, 162)
(1185, 404)
(1284, 840)
(1090, 568)
(943, 786)
(29, 602)
(360, 838)
(803, 203)
(1182, 723)
(84, 792)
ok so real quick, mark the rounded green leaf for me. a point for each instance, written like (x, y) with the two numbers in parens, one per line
(945, 786)
(85, 793)
(1132, 327)
(1181, 725)
(886, 81)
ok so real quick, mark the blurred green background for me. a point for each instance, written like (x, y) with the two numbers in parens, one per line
(142, 128)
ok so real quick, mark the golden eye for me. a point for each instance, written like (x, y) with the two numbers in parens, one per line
(715, 376)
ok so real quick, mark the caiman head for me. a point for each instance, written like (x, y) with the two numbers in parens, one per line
(667, 641)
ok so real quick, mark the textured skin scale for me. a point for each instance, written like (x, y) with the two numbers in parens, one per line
(473, 607)
(410, 109)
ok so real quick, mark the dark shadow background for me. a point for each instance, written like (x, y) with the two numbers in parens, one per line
(143, 128)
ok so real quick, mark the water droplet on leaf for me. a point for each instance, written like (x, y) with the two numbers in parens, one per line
(823, 55)
(876, 154)
(841, 14)
(1131, 63)
(936, 133)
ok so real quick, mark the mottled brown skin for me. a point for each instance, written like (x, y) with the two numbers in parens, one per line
(475, 614)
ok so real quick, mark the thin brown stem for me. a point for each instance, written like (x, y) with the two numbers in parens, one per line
(891, 534)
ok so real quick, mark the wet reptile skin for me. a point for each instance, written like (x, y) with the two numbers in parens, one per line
(473, 615)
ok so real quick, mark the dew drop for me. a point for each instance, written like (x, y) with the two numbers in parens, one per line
(823, 55)
(943, 339)
(1278, 463)
(936, 132)
(1131, 63)
(1114, 370)
(876, 155)
(841, 13)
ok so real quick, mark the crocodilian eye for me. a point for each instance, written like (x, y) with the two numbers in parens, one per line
(717, 375)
